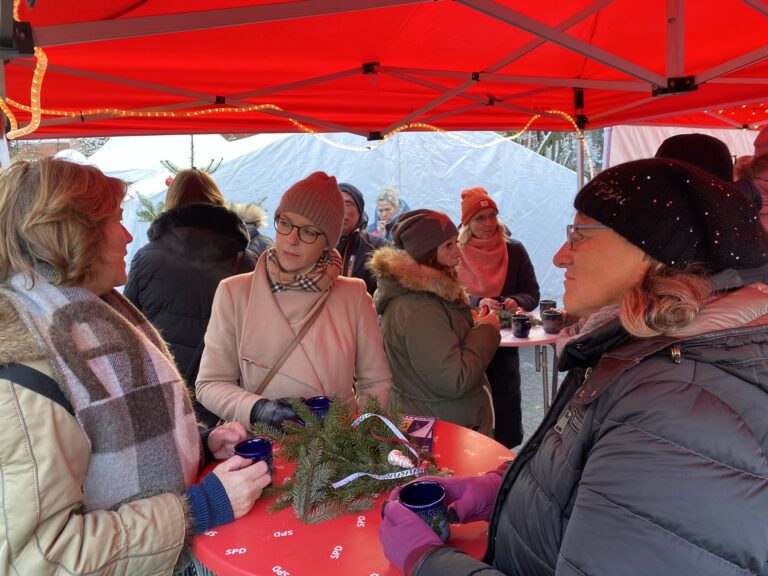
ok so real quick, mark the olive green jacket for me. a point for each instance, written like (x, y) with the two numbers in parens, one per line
(436, 352)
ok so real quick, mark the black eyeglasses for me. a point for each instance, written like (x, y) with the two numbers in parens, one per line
(571, 227)
(306, 235)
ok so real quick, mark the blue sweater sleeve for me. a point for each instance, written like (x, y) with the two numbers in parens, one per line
(209, 504)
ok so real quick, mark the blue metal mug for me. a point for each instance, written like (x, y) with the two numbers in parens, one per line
(521, 325)
(256, 449)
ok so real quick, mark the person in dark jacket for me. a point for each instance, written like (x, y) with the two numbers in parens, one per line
(654, 456)
(356, 244)
(255, 218)
(173, 278)
(497, 272)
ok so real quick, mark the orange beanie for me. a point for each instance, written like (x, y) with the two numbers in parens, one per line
(472, 201)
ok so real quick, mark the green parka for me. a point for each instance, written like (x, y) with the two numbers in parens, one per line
(437, 354)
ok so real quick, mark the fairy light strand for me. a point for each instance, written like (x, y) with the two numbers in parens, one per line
(34, 97)
(36, 112)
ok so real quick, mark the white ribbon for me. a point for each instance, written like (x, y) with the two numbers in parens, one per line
(400, 474)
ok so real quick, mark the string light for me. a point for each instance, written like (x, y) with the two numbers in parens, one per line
(36, 112)
(34, 97)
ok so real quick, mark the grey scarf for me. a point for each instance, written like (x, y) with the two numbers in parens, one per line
(118, 375)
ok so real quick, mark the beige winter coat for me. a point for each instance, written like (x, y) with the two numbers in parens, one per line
(341, 354)
(44, 456)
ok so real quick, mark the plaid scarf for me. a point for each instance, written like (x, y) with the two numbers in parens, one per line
(128, 397)
(319, 278)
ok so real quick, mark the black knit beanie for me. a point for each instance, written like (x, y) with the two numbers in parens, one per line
(706, 152)
(678, 214)
(357, 196)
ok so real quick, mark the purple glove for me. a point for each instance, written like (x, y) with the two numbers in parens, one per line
(469, 498)
(404, 536)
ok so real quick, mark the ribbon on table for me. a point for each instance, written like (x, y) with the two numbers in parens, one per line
(392, 475)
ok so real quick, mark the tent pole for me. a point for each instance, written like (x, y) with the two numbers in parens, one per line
(579, 165)
(5, 152)
(607, 133)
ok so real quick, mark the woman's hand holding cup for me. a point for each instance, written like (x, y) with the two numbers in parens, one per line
(243, 482)
(487, 316)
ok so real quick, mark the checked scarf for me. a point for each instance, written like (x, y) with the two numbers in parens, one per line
(128, 397)
(319, 278)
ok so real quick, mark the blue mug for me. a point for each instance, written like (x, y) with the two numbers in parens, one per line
(256, 449)
(318, 405)
(427, 499)
(521, 325)
(552, 320)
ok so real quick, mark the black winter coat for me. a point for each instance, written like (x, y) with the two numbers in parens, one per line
(653, 460)
(172, 279)
(356, 250)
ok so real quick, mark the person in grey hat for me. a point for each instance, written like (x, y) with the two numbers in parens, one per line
(356, 244)
(438, 353)
(653, 458)
(294, 306)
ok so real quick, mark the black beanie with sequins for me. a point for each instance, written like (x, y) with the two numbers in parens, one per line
(678, 214)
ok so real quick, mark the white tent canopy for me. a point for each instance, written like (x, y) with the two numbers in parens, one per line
(429, 170)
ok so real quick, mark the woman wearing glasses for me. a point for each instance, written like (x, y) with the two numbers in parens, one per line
(293, 327)
(654, 456)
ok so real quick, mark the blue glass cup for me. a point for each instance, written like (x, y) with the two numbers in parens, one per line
(318, 405)
(427, 499)
(256, 449)
(521, 325)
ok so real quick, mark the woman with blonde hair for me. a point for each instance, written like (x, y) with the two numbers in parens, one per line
(193, 244)
(498, 274)
(654, 456)
(100, 446)
(389, 207)
(190, 186)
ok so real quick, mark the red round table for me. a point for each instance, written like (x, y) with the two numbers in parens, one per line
(269, 544)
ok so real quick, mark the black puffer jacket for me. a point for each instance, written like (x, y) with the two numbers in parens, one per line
(172, 279)
(652, 461)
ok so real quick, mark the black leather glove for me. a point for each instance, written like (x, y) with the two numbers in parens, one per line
(273, 412)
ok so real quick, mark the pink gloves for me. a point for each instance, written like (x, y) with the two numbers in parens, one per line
(406, 538)
(470, 498)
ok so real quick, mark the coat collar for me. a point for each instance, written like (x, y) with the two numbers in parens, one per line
(401, 268)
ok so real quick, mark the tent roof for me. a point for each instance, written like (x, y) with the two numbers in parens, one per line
(372, 66)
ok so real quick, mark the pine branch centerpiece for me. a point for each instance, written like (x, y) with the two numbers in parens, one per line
(331, 450)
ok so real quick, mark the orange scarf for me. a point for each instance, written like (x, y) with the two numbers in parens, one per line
(483, 269)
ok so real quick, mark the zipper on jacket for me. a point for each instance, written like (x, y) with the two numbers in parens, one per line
(677, 354)
(564, 420)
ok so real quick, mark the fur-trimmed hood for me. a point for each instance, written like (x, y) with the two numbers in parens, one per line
(398, 273)
(203, 232)
(250, 213)
(218, 219)
(16, 342)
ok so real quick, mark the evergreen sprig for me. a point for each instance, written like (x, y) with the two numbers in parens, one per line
(327, 451)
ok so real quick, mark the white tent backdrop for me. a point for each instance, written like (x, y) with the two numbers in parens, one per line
(430, 170)
(636, 142)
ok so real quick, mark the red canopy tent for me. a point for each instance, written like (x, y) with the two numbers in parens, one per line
(373, 66)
